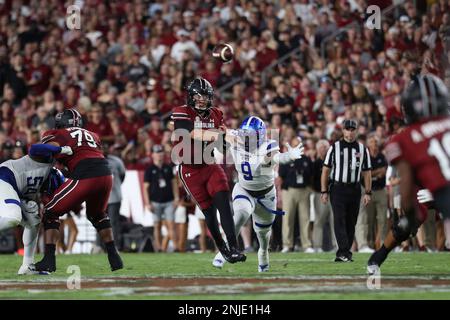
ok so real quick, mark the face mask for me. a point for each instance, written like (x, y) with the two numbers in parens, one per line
(381, 61)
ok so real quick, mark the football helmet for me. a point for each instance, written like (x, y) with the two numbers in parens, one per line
(426, 96)
(200, 89)
(68, 118)
(252, 132)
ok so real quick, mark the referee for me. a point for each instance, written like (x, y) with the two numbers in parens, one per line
(346, 159)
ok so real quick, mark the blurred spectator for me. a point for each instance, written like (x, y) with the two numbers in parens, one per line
(184, 44)
(38, 75)
(115, 198)
(282, 103)
(161, 194)
(371, 227)
(322, 211)
(296, 184)
(99, 125)
(185, 207)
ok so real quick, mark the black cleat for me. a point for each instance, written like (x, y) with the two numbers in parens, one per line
(234, 256)
(343, 259)
(47, 264)
(115, 261)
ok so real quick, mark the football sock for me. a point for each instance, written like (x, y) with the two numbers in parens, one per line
(29, 238)
(110, 247)
(50, 250)
(213, 226)
(222, 203)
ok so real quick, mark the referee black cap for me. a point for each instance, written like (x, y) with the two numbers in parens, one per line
(350, 124)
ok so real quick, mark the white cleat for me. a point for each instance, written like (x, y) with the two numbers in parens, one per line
(218, 261)
(29, 269)
(26, 269)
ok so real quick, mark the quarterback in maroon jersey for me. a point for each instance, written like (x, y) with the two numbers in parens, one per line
(421, 153)
(89, 180)
(201, 125)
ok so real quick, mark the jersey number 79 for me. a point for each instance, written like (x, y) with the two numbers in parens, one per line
(83, 136)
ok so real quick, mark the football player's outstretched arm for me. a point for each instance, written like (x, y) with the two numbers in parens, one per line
(206, 135)
(292, 154)
(48, 149)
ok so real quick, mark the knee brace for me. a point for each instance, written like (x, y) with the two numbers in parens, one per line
(103, 223)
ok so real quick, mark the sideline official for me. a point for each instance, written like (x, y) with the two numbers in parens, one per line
(346, 160)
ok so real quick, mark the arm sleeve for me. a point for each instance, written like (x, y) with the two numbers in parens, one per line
(184, 124)
(328, 162)
(181, 119)
(42, 149)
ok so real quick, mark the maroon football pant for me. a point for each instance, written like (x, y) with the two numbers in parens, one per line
(72, 193)
(203, 182)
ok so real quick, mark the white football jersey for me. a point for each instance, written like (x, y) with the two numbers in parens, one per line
(254, 173)
(29, 175)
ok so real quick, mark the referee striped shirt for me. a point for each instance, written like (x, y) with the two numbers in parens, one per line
(347, 160)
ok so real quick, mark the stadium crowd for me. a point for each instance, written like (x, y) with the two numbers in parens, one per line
(130, 62)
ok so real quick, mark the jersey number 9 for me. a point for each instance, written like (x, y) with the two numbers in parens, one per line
(246, 171)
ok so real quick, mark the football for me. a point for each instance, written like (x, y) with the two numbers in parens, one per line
(223, 52)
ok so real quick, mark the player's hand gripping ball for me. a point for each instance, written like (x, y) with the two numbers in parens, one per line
(223, 52)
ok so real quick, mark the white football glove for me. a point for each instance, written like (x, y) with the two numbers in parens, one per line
(296, 152)
(66, 150)
(30, 211)
(424, 195)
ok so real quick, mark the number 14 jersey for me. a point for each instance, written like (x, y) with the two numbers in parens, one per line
(426, 147)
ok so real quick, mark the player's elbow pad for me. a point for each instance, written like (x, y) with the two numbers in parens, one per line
(282, 158)
(42, 149)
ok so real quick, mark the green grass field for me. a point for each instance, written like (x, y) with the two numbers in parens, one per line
(191, 276)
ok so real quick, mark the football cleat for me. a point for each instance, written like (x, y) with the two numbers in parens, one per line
(47, 264)
(233, 256)
(263, 268)
(218, 261)
(30, 269)
(343, 259)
